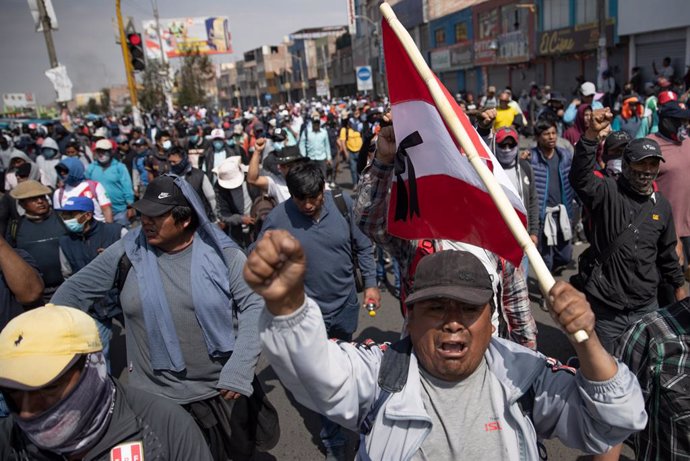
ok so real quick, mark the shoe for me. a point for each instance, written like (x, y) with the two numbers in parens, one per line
(336, 453)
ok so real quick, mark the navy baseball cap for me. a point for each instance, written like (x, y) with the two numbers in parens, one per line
(77, 204)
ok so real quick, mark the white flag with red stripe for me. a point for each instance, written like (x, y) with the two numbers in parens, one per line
(436, 192)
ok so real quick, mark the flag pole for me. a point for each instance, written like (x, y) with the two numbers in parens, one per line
(544, 277)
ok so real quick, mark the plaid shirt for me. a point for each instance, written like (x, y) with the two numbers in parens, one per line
(657, 350)
(370, 213)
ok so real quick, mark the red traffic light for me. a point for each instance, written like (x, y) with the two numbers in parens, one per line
(134, 39)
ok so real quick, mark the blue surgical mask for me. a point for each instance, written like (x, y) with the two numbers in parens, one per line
(48, 153)
(73, 225)
(278, 145)
(193, 139)
(218, 145)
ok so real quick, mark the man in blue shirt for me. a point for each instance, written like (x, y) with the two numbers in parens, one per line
(329, 239)
(315, 145)
(115, 178)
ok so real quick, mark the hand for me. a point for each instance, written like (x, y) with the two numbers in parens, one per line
(259, 145)
(599, 119)
(534, 238)
(486, 118)
(373, 294)
(681, 293)
(569, 308)
(248, 220)
(525, 154)
(576, 102)
(131, 213)
(385, 145)
(229, 395)
(275, 270)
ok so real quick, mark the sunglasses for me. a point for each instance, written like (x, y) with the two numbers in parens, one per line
(507, 145)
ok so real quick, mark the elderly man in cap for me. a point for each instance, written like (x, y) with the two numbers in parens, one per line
(273, 185)
(65, 405)
(38, 231)
(633, 239)
(181, 290)
(448, 390)
(234, 198)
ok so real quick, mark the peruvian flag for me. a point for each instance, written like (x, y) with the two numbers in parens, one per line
(436, 192)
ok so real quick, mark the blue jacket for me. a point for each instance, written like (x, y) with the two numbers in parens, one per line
(116, 181)
(541, 177)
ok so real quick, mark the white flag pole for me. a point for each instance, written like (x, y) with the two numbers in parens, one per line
(546, 280)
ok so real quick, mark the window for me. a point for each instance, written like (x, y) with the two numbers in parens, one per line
(586, 11)
(460, 32)
(440, 37)
(488, 24)
(513, 18)
(556, 14)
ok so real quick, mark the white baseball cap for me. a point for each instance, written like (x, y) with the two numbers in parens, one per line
(217, 134)
(588, 89)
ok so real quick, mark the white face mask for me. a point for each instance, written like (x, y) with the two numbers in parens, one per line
(167, 144)
(614, 167)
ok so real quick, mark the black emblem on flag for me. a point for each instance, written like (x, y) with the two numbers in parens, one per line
(406, 203)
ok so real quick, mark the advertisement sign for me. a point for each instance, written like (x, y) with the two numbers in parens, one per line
(322, 88)
(485, 51)
(13, 101)
(512, 48)
(36, 14)
(186, 36)
(461, 55)
(364, 80)
(571, 39)
(440, 59)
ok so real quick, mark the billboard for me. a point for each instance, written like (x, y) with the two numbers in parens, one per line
(186, 36)
(14, 101)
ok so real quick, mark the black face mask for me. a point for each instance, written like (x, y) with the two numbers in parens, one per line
(180, 168)
(640, 182)
(672, 128)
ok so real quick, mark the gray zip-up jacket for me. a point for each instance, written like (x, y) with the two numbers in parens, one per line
(343, 382)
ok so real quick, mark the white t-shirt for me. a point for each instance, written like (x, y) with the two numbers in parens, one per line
(277, 188)
(84, 189)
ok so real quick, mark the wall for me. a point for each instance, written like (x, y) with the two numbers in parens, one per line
(637, 16)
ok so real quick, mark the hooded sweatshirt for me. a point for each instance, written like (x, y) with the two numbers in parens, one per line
(36, 172)
(76, 185)
(48, 164)
(575, 132)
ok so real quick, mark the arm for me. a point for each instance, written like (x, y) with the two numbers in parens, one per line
(571, 112)
(327, 146)
(667, 259)
(209, 193)
(93, 281)
(253, 177)
(238, 372)
(104, 202)
(24, 281)
(126, 184)
(516, 307)
(107, 213)
(334, 379)
(65, 267)
(302, 143)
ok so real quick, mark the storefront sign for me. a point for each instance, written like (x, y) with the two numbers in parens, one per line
(485, 51)
(440, 59)
(512, 48)
(572, 40)
(461, 55)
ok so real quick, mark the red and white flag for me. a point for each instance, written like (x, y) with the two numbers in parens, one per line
(436, 192)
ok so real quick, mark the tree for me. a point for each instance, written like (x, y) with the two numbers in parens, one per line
(152, 94)
(92, 106)
(195, 70)
(105, 100)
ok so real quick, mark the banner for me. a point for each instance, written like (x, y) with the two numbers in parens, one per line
(187, 36)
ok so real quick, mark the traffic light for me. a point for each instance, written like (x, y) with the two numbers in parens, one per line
(136, 51)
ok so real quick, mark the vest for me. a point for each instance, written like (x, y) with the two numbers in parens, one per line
(195, 178)
(41, 240)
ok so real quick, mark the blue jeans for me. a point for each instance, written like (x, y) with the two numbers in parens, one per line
(353, 157)
(381, 268)
(340, 326)
(121, 218)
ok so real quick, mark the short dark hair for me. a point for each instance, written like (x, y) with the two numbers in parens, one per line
(177, 150)
(181, 213)
(305, 180)
(543, 125)
(162, 133)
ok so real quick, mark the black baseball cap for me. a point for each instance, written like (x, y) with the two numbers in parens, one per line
(162, 195)
(451, 274)
(615, 140)
(289, 154)
(642, 148)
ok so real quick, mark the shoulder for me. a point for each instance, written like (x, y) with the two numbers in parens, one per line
(157, 411)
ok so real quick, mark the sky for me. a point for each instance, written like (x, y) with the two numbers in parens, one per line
(85, 41)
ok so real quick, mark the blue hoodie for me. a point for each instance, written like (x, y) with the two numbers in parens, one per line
(75, 170)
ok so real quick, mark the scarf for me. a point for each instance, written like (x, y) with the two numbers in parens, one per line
(210, 286)
(78, 421)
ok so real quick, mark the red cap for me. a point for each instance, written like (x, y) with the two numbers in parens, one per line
(506, 132)
(667, 96)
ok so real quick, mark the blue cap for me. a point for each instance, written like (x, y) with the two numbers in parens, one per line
(77, 204)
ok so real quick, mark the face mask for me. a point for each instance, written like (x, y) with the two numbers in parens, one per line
(48, 152)
(193, 139)
(506, 155)
(179, 168)
(278, 146)
(673, 128)
(614, 167)
(74, 226)
(640, 182)
(103, 158)
(218, 145)
(167, 144)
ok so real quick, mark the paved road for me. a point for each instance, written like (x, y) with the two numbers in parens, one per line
(300, 427)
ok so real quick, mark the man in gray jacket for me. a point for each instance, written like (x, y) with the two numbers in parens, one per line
(181, 291)
(448, 390)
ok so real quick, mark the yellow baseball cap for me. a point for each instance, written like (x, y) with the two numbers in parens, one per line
(39, 345)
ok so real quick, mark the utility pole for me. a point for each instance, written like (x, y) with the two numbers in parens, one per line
(48, 35)
(324, 51)
(164, 78)
(602, 58)
(127, 58)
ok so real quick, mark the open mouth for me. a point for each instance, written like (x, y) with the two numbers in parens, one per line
(452, 349)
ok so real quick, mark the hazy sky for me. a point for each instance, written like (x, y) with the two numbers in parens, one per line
(85, 43)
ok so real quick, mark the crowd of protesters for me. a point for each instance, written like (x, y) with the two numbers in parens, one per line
(211, 234)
